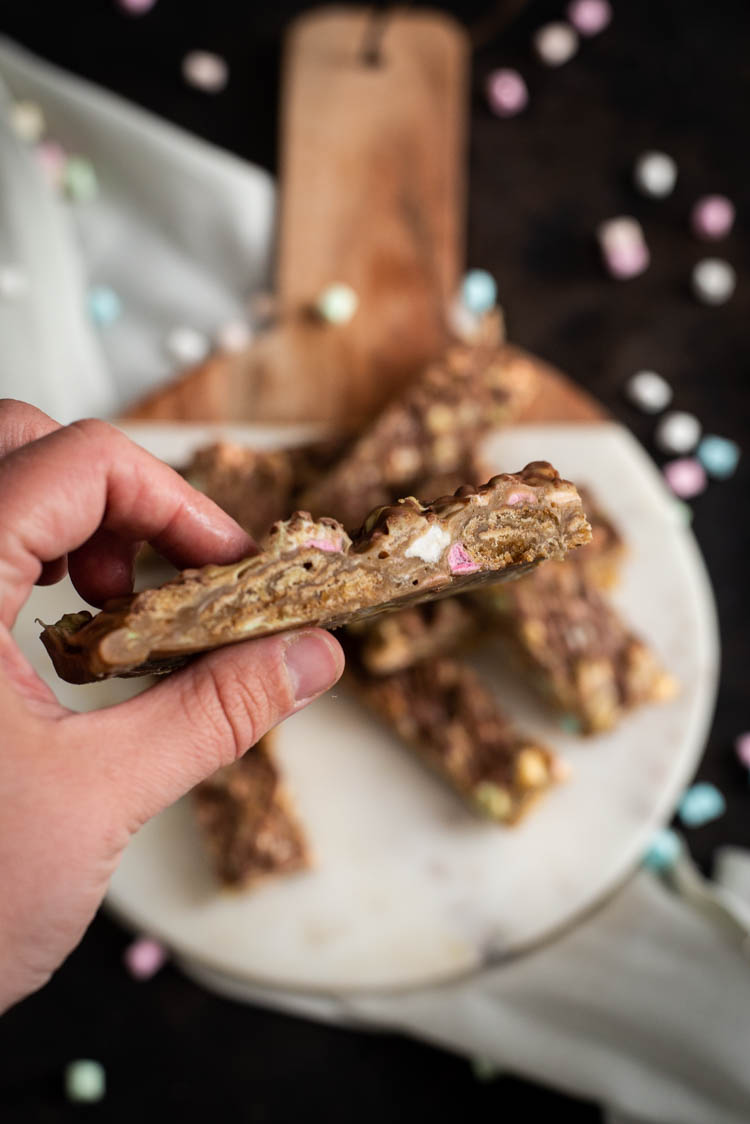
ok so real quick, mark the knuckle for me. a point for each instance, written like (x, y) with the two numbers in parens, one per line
(238, 702)
(94, 429)
(21, 423)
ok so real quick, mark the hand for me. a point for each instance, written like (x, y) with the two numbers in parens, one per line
(75, 787)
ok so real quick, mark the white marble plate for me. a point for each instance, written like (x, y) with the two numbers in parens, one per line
(410, 887)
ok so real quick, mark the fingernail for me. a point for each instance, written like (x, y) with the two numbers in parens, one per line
(312, 662)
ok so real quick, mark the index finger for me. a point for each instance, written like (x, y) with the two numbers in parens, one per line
(58, 490)
(21, 423)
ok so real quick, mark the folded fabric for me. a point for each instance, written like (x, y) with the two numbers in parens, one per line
(179, 230)
(642, 1007)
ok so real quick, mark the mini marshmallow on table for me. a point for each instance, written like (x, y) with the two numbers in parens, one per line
(719, 456)
(664, 850)
(136, 7)
(678, 432)
(623, 247)
(186, 345)
(714, 281)
(649, 391)
(80, 180)
(144, 957)
(507, 94)
(27, 120)
(742, 749)
(205, 71)
(337, 303)
(555, 43)
(85, 1081)
(104, 304)
(589, 17)
(655, 174)
(712, 217)
(686, 477)
(701, 804)
(52, 158)
(479, 291)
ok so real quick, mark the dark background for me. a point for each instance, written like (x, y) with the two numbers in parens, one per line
(670, 74)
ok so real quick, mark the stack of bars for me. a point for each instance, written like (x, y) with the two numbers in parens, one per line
(358, 542)
(555, 623)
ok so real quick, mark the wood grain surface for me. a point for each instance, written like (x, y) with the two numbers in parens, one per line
(372, 194)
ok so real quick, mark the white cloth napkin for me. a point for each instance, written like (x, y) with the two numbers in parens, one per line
(179, 230)
(644, 1006)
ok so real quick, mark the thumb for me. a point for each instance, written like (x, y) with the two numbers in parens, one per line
(153, 749)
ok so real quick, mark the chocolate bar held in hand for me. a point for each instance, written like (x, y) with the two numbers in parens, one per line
(311, 573)
(431, 430)
(248, 822)
(442, 710)
(395, 641)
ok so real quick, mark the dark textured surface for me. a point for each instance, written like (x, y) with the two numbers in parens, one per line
(668, 73)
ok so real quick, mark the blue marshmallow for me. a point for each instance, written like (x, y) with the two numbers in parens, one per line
(663, 851)
(479, 291)
(719, 456)
(104, 305)
(701, 804)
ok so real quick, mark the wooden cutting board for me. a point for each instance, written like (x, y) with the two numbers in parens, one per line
(374, 114)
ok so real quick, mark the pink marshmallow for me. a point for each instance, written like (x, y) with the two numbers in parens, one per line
(506, 92)
(589, 17)
(144, 957)
(136, 7)
(712, 217)
(515, 498)
(460, 561)
(626, 261)
(323, 544)
(742, 749)
(51, 156)
(686, 477)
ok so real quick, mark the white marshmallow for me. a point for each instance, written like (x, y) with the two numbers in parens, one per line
(555, 43)
(429, 546)
(714, 281)
(205, 71)
(655, 174)
(678, 432)
(649, 392)
(187, 345)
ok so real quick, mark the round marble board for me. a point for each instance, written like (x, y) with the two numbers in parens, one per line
(409, 886)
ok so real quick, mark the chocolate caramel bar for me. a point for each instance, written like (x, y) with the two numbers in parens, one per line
(247, 820)
(312, 573)
(441, 709)
(431, 430)
(576, 649)
(395, 641)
